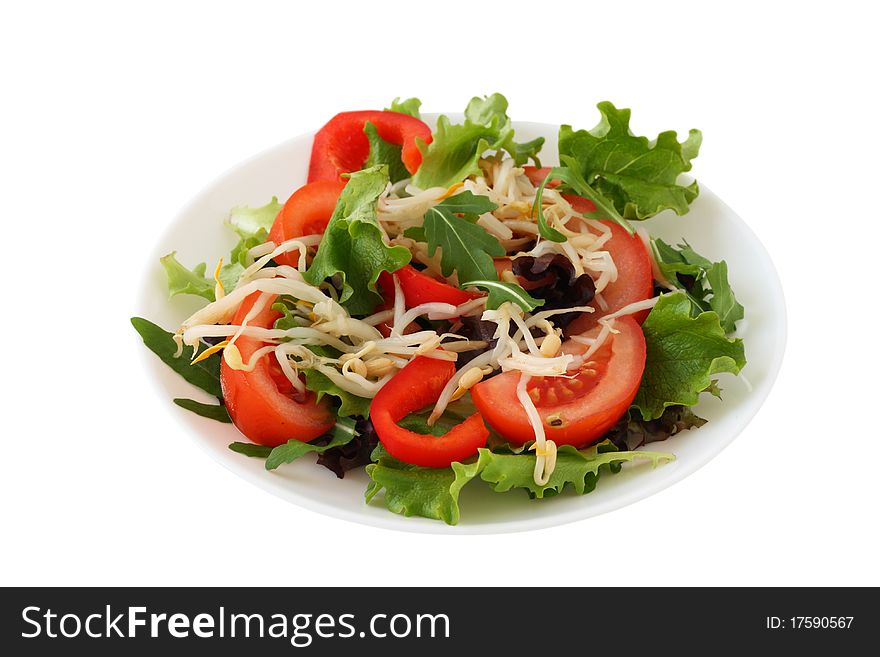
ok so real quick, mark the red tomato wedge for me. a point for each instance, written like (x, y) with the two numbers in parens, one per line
(342, 147)
(259, 402)
(306, 212)
(537, 175)
(417, 385)
(575, 411)
(418, 288)
(635, 279)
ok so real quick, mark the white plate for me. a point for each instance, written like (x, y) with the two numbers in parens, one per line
(198, 234)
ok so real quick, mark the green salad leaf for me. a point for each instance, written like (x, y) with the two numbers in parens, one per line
(409, 106)
(383, 152)
(683, 352)
(455, 150)
(502, 292)
(704, 281)
(579, 469)
(254, 223)
(187, 281)
(353, 246)
(342, 434)
(250, 449)
(467, 247)
(349, 405)
(638, 176)
(205, 374)
(416, 491)
(211, 411)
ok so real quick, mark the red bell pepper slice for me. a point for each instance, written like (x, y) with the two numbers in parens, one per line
(418, 288)
(417, 385)
(342, 147)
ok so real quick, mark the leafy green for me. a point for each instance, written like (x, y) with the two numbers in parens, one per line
(455, 150)
(251, 225)
(683, 352)
(350, 404)
(254, 223)
(211, 411)
(383, 152)
(500, 292)
(416, 491)
(341, 434)
(579, 469)
(467, 247)
(353, 246)
(433, 492)
(250, 449)
(639, 177)
(704, 281)
(205, 374)
(631, 432)
(409, 106)
(187, 281)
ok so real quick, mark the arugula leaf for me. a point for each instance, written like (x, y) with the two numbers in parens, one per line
(211, 411)
(467, 247)
(250, 449)
(416, 491)
(637, 175)
(704, 281)
(383, 152)
(186, 281)
(353, 244)
(409, 106)
(343, 433)
(501, 292)
(205, 374)
(683, 352)
(579, 469)
(455, 150)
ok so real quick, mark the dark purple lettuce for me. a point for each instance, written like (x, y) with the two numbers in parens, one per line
(563, 288)
(632, 432)
(354, 454)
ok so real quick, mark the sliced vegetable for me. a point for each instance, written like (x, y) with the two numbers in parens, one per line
(418, 288)
(415, 386)
(306, 212)
(265, 413)
(341, 146)
(574, 410)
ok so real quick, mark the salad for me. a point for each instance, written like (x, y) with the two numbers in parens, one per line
(437, 308)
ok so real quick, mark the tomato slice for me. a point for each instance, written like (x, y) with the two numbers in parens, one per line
(575, 411)
(537, 175)
(418, 288)
(418, 384)
(342, 147)
(306, 212)
(260, 402)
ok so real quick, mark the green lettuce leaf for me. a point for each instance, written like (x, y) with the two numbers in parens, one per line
(683, 352)
(349, 404)
(250, 449)
(252, 225)
(205, 374)
(211, 411)
(383, 152)
(467, 247)
(579, 469)
(501, 292)
(353, 245)
(187, 281)
(409, 106)
(705, 282)
(416, 491)
(342, 434)
(455, 150)
(639, 177)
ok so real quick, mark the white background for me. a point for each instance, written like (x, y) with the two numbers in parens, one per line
(114, 115)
